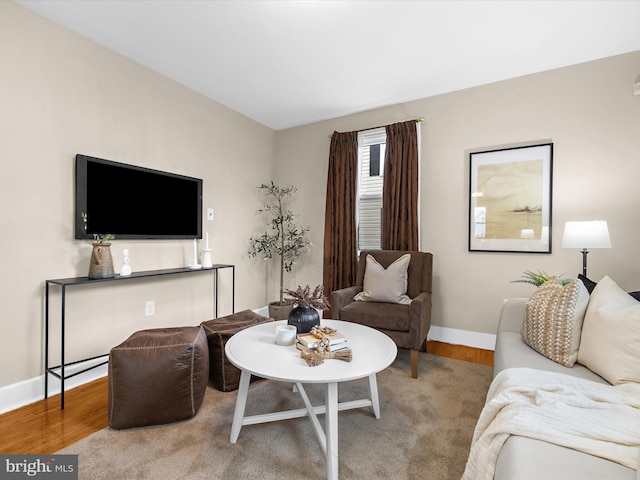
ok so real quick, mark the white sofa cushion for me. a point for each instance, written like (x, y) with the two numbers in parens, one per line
(610, 344)
(553, 320)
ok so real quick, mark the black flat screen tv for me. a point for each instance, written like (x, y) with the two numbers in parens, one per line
(133, 202)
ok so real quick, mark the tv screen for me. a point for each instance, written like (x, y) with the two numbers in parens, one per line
(133, 202)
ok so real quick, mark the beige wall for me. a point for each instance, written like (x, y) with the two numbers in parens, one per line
(592, 118)
(61, 94)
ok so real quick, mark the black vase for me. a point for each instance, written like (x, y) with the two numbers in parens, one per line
(304, 318)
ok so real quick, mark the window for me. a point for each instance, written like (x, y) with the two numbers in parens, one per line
(371, 151)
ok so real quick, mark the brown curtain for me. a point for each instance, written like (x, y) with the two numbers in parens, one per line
(340, 238)
(400, 188)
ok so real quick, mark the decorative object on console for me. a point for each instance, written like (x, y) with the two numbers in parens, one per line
(584, 235)
(306, 303)
(101, 263)
(540, 277)
(206, 254)
(287, 239)
(206, 258)
(193, 264)
(126, 268)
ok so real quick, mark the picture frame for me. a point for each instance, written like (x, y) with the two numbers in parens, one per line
(510, 198)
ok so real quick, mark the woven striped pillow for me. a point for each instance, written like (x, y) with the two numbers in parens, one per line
(553, 320)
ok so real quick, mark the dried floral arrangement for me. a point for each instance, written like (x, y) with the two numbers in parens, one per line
(305, 297)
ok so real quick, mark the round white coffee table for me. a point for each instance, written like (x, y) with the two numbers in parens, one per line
(255, 352)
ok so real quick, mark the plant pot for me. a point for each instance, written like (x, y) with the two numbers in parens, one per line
(279, 312)
(304, 318)
(101, 265)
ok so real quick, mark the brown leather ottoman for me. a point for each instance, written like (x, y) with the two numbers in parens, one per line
(223, 374)
(157, 376)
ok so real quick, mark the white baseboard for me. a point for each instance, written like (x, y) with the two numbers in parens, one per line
(32, 390)
(486, 341)
(454, 336)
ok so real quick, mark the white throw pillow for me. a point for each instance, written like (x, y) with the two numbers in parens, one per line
(385, 285)
(610, 344)
(553, 320)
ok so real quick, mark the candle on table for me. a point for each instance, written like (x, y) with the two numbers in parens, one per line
(195, 252)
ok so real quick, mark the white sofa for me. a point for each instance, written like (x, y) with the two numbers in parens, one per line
(523, 458)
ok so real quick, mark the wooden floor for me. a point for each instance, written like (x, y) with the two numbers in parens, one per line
(42, 428)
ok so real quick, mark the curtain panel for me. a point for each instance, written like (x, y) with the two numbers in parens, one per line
(400, 188)
(340, 234)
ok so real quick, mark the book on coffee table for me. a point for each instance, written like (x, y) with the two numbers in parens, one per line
(333, 348)
(311, 342)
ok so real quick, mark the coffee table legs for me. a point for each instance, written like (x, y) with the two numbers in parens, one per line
(241, 402)
(331, 430)
(373, 395)
(329, 438)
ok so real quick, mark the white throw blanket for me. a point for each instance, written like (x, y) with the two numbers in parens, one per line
(601, 420)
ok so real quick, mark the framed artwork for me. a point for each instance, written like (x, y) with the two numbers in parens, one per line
(510, 200)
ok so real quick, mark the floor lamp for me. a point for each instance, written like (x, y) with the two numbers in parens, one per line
(585, 235)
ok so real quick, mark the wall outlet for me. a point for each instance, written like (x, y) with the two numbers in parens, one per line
(209, 213)
(149, 308)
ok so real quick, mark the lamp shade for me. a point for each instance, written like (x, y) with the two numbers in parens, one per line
(591, 234)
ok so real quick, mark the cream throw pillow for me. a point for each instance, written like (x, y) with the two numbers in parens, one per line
(553, 320)
(610, 344)
(385, 285)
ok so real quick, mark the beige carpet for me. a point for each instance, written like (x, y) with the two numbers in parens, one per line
(424, 432)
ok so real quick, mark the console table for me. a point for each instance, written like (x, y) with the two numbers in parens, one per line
(67, 282)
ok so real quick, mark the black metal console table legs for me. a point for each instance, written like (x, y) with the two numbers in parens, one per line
(65, 282)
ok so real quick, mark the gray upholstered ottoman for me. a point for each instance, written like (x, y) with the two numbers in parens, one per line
(223, 375)
(158, 376)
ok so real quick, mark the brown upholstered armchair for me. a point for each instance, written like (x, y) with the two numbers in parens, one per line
(407, 325)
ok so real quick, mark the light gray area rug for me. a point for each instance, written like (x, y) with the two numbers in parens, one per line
(424, 431)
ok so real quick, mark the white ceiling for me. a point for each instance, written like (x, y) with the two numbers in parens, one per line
(289, 63)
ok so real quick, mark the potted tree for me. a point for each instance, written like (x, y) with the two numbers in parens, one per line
(285, 238)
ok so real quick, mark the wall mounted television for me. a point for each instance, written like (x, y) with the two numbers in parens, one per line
(135, 202)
